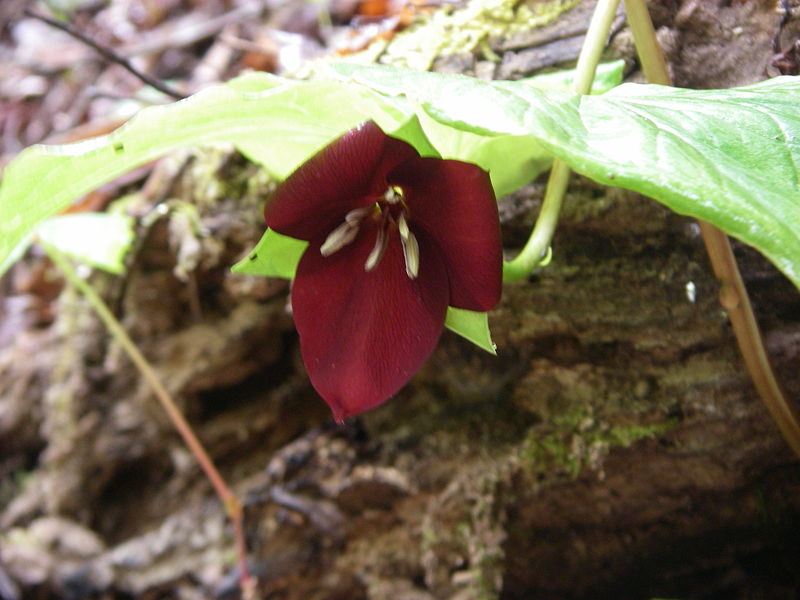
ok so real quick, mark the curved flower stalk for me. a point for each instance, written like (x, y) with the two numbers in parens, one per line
(394, 239)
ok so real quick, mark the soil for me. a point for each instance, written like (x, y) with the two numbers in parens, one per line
(615, 447)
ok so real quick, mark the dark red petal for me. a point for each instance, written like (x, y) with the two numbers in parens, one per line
(454, 202)
(363, 335)
(346, 174)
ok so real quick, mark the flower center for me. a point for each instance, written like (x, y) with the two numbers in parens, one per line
(390, 214)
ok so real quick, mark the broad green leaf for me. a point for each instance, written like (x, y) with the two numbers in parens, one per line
(275, 255)
(729, 157)
(465, 103)
(101, 240)
(511, 160)
(256, 82)
(474, 326)
(276, 123)
(607, 76)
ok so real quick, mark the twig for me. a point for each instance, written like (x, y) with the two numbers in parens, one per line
(229, 500)
(189, 29)
(733, 294)
(787, 15)
(108, 54)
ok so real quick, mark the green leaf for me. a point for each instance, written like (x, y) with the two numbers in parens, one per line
(275, 255)
(607, 76)
(465, 103)
(101, 240)
(474, 326)
(729, 157)
(511, 160)
(275, 122)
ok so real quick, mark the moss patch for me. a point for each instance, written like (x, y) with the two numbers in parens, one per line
(451, 31)
(577, 440)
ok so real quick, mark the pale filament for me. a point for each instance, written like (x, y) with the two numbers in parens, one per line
(339, 238)
(410, 248)
(345, 233)
(377, 251)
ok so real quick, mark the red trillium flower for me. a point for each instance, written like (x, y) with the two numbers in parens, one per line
(394, 239)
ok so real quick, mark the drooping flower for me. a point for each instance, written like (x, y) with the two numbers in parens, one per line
(394, 239)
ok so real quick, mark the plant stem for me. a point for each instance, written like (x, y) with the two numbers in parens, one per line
(229, 500)
(736, 302)
(593, 45)
(733, 294)
(644, 38)
(536, 248)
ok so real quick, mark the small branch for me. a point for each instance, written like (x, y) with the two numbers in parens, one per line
(733, 294)
(229, 500)
(734, 299)
(190, 29)
(536, 248)
(787, 15)
(644, 37)
(107, 53)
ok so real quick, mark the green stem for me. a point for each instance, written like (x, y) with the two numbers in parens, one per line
(644, 37)
(593, 46)
(229, 500)
(733, 294)
(536, 248)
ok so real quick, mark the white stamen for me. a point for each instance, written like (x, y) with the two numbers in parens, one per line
(354, 216)
(377, 252)
(402, 226)
(410, 254)
(346, 232)
(339, 238)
